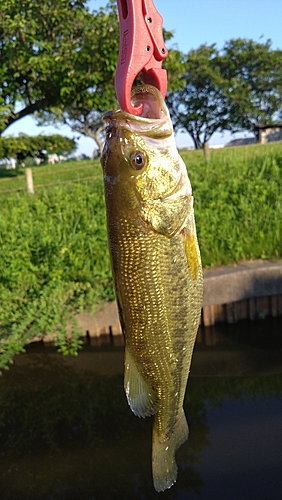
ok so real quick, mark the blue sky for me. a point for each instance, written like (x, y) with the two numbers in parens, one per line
(195, 23)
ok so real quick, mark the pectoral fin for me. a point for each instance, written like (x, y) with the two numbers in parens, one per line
(141, 398)
(167, 216)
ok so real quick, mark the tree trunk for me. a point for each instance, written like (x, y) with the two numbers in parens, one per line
(94, 134)
(197, 142)
(98, 140)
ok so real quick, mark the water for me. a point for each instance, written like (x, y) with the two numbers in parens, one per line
(67, 433)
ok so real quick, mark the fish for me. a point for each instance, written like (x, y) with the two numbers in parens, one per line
(156, 268)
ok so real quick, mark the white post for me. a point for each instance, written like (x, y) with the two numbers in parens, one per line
(29, 181)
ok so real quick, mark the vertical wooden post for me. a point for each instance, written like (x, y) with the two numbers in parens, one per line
(207, 152)
(29, 181)
(208, 315)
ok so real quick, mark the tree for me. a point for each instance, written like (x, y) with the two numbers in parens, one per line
(38, 146)
(87, 122)
(232, 89)
(80, 118)
(84, 115)
(58, 63)
(254, 75)
(174, 63)
(52, 54)
(200, 107)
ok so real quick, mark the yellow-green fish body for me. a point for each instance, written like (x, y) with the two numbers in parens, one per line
(156, 267)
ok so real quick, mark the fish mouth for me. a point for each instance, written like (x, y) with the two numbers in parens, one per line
(152, 101)
(154, 121)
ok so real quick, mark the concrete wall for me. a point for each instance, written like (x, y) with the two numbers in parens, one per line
(249, 290)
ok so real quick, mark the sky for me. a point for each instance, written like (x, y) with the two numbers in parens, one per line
(194, 23)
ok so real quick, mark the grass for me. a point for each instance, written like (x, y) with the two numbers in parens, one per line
(54, 261)
(14, 180)
(54, 249)
(238, 203)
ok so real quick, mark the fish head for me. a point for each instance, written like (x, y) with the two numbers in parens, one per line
(140, 152)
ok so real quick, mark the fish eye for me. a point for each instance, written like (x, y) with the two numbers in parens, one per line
(138, 160)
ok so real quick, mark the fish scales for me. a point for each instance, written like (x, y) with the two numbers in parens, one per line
(156, 304)
(156, 269)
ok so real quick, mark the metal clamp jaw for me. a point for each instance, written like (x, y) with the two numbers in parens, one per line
(142, 50)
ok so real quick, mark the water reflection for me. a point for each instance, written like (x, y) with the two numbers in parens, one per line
(66, 431)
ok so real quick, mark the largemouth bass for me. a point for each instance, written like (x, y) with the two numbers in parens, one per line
(156, 268)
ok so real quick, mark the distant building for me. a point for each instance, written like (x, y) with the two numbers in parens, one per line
(263, 135)
(268, 133)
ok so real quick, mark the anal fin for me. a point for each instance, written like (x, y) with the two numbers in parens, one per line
(141, 398)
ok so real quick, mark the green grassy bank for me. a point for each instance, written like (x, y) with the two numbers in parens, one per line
(12, 181)
(54, 253)
(238, 203)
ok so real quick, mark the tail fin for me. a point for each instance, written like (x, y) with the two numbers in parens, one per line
(163, 455)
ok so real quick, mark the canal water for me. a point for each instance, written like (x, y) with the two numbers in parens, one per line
(66, 431)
